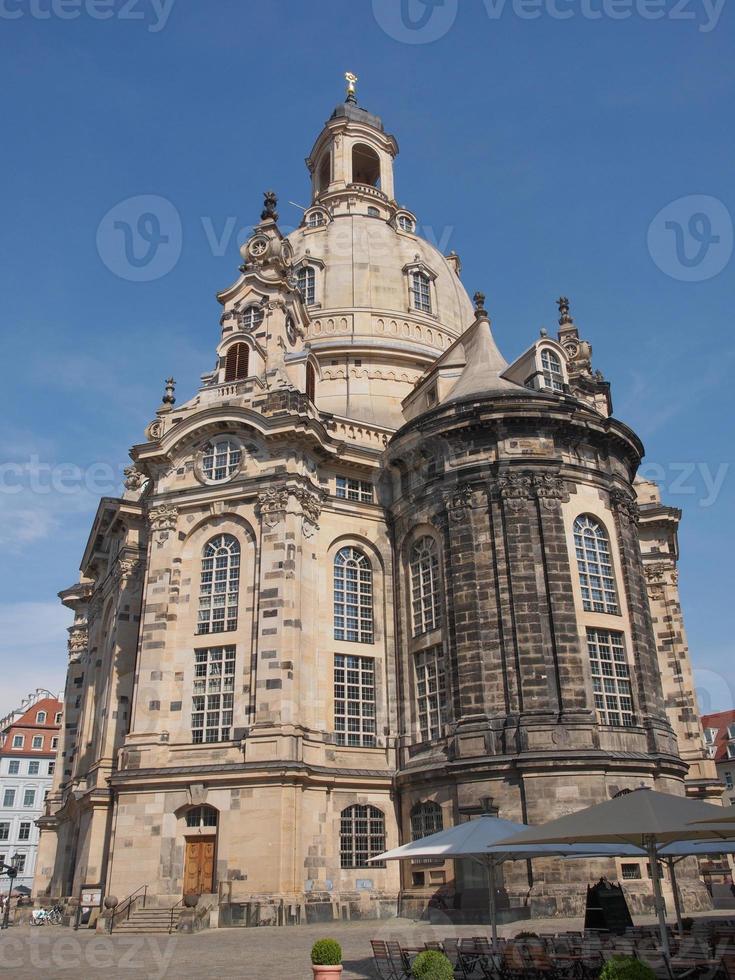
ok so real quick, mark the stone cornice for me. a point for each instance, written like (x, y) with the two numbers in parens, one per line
(269, 768)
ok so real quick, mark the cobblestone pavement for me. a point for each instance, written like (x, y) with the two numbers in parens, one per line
(253, 954)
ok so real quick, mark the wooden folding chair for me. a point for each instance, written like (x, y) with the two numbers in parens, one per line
(383, 962)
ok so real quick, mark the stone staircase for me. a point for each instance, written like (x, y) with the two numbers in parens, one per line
(149, 921)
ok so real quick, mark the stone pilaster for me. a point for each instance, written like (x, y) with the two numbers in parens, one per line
(538, 693)
(648, 690)
(465, 536)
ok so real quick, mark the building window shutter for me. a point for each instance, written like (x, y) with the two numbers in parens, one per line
(236, 362)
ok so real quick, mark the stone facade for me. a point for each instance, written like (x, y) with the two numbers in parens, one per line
(265, 685)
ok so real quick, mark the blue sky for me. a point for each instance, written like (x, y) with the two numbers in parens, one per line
(559, 146)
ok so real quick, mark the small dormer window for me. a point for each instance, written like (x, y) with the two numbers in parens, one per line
(552, 372)
(405, 223)
(252, 317)
(421, 291)
(307, 284)
(316, 218)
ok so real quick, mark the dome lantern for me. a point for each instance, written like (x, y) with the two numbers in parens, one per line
(352, 153)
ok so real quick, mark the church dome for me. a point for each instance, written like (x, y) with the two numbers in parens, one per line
(383, 302)
(365, 268)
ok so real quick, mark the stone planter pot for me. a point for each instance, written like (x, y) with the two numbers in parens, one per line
(326, 972)
(110, 901)
(190, 901)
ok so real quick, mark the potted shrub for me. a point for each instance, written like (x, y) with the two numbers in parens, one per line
(626, 968)
(326, 959)
(432, 965)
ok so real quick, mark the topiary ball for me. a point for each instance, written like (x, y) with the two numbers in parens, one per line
(326, 952)
(626, 968)
(432, 965)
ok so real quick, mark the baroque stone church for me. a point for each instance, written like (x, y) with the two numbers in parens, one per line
(370, 580)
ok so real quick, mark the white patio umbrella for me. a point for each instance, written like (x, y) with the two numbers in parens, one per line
(644, 818)
(673, 853)
(477, 839)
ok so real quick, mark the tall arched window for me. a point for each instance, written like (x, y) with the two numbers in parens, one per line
(252, 317)
(220, 585)
(426, 819)
(425, 591)
(421, 291)
(236, 362)
(310, 383)
(361, 836)
(553, 374)
(307, 284)
(353, 596)
(594, 564)
(220, 459)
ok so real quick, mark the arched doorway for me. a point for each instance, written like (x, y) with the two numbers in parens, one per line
(201, 850)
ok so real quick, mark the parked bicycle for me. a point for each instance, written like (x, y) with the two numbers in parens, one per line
(51, 917)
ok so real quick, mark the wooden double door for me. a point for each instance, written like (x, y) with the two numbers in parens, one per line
(199, 865)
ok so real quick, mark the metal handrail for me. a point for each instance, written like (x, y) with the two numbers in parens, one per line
(127, 904)
(173, 909)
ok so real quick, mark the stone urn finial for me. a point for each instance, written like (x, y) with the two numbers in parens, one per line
(270, 202)
(564, 317)
(479, 300)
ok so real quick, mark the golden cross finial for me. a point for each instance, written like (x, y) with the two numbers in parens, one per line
(351, 79)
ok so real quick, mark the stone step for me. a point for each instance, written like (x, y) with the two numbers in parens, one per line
(149, 921)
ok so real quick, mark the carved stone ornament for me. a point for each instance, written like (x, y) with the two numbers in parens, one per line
(311, 506)
(272, 505)
(655, 572)
(129, 570)
(162, 520)
(78, 639)
(514, 489)
(154, 430)
(660, 573)
(458, 503)
(134, 479)
(548, 487)
(625, 506)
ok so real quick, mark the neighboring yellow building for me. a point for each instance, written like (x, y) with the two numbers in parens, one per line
(368, 581)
